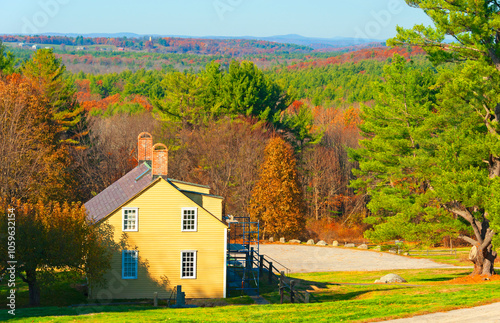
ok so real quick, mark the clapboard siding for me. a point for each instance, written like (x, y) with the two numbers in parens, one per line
(160, 241)
(213, 205)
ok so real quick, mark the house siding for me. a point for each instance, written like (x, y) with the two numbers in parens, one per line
(213, 205)
(159, 240)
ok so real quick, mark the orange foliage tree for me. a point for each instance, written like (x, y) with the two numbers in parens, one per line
(277, 200)
(49, 238)
(33, 163)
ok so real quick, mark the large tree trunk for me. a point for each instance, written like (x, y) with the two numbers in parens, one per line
(34, 288)
(483, 260)
(482, 254)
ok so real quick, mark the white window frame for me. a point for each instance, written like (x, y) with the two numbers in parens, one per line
(136, 253)
(136, 219)
(195, 264)
(195, 219)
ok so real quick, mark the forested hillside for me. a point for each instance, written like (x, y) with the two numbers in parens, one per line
(218, 115)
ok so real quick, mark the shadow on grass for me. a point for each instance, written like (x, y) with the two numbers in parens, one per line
(442, 278)
(71, 311)
(321, 291)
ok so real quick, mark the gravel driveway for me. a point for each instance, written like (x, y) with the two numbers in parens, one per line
(305, 259)
(484, 314)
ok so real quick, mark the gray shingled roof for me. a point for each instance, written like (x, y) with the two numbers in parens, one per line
(118, 193)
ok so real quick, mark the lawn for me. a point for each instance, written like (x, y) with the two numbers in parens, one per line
(335, 302)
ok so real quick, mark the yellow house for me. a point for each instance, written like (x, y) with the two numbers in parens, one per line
(165, 232)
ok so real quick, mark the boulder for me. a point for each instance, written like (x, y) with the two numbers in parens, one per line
(294, 241)
(321, 243)
(350, 245)
(363, 246)
(271, 239)
(282, 240)
(391, 278)
(310, 241)
(335, 243)
(377, 248)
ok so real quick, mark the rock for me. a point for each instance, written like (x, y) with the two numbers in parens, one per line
(391, 278)
(294, 241)
(363, 246)
(377, 248)
(350, 245)
(321, 243)
(310, 241)
(282, 240)
(335, 243)
(392, 251)
(271, 239)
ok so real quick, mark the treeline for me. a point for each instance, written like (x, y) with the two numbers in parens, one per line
(316, 109)
(198, 46)
(217, 122)
(65, 137)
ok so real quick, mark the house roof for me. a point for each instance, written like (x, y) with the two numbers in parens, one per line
(182, 182)
(199, 193)
(119, 192)
(124, 189)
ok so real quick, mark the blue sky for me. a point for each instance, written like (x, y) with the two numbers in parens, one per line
(315, 18)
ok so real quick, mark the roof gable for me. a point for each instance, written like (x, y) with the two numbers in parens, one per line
(119, 192)
(129, 186)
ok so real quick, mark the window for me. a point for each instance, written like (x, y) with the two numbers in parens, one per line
(129, 264)
(130, 216)
(188, 264)
(189, 219)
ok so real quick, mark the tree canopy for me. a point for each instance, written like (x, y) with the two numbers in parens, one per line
(51, 237)
(449, 171)
(7, 60)
(277, 200)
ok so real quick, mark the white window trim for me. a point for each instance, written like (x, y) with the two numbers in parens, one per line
(136, 264)
(195, 218)
(136, 220)
(195, 264)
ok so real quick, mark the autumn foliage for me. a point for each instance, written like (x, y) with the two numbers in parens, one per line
(32, 162)
(51, 237)
(277, 200)
(379, 54)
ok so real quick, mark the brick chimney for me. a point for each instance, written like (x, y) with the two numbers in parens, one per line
(160, 161)
(145, 148)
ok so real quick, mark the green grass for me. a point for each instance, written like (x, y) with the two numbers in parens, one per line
(349, 303)
(460, 259)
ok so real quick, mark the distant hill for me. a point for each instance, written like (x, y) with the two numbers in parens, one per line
(320, 43)
(315, 43)
(208, 45)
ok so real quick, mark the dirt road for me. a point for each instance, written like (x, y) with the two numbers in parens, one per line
(305, 259)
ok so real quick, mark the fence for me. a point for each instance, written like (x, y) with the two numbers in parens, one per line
(432, 252)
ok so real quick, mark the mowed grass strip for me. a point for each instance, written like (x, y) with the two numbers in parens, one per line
(348, 303)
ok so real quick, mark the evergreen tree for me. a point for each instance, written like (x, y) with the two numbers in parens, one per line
(277, 200)
(7, 60)
(47, 73)
(463, 177)
(400, 157)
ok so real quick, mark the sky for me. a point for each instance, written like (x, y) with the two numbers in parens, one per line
(374, 19)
